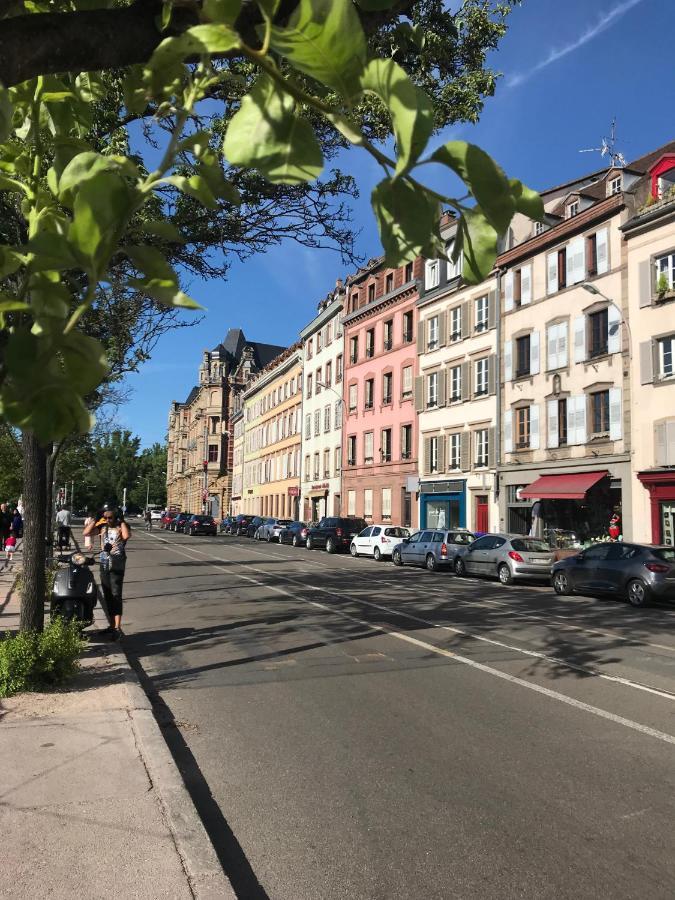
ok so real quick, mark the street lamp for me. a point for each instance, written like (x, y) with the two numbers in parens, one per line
(591, 288)
(147, 492)
(327, 387)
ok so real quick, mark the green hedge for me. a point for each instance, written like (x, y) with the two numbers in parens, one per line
(31, 661)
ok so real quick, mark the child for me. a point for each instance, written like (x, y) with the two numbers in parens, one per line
(10, 549)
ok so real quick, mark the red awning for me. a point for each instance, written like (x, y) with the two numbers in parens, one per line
(562, 487)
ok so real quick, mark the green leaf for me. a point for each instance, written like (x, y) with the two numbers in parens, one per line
(408, 221)
(100, 211)
(478, 242)
(269, 7)
(91, 86)
(84, 361)
(484, 178)
(160, 281)
(412, 114)
(10, 261)
(134, 90)
(528, 202)
(164, 230)
(225, 11)
(11, 304)
(374, 5)
(325, 40)
(11, 185)
(268, 134)
(52, 252)
(195, 186)
(88, 165)
(6, 113)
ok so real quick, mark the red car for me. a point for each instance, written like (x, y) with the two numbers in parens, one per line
(166, 519)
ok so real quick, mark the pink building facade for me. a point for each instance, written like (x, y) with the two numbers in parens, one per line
(379, 448)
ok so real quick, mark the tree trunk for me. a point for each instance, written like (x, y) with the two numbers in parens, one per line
(52, 455)
(34, 546)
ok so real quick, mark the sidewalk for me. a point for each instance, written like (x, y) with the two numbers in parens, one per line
(91, 801)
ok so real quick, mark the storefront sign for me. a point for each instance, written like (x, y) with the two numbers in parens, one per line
(441, 487)
(319, 487)
(293, 492)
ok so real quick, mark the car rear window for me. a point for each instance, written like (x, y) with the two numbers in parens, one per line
(283, 522)
(396, 532)
(438, 537)
(667, 554)
(462, 537)
(530, 545)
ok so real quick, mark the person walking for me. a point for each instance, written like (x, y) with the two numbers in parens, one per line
(114, 534)
(10, 549)
(90, 520)
(17, 525)
(148, 520)
(5, 524)
(63, 522)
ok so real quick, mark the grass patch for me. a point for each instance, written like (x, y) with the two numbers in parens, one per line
(32, 661)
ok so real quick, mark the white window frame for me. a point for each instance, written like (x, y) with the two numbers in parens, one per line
(432, 390)
(454, 268)
(326, 418)
(317, 422)
(572, 209)
(407, 380)
(665, 351)
(481, 383)
(351, 503)
(665, 265)
(456, 324)
(338, 415)
(481, 318)
(433, 454)
(615, 185)
(386, 503)
(432, 274)
(432, 333)
(455, 384)
(353, 397)
(455, 451)
(368, 503)
(368, 446)
(481, 448)
(308, 426)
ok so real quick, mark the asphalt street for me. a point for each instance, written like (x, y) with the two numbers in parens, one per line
(349, 729)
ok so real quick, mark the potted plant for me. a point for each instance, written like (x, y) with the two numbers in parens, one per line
(662, 285)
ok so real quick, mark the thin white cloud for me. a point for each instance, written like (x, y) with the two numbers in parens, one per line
(606, 21)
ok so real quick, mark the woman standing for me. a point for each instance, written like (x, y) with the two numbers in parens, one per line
(114, 534)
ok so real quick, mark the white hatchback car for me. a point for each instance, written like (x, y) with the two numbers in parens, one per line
(378, 540)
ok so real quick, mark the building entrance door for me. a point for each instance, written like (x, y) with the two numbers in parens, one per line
(668, 522)
(482, 517)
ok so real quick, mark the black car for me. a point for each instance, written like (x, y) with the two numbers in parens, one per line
(295, 534)
(334, 533)
(240, 524)
(638, 572)
(200, 525)
(178, 523)
(226, 524)
(253, 526)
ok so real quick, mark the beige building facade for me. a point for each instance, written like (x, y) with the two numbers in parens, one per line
(272, 434)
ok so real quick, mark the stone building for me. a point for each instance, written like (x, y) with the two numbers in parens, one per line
(200, 438)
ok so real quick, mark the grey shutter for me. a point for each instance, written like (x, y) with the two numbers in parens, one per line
(441, 453)
(552, 419)
(646, 362)
(466, 319)
(492, 374)
(615, 414)
(508, 291)
(421, 334)
(613, 330)
(419, 393)
(442, 329)
(534, 353)
(492, 447)
(534, 426)
(580, 419)
(508, 361)
(601, 251)
(525, 285)
(427, 455)
(508, 431)
(466, 380)
(465, 451)
(646, 282)
(660, 448)
(579, 339)
(440, 392)
(492, 309)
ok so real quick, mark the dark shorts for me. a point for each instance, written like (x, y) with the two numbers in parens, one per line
(112, 582)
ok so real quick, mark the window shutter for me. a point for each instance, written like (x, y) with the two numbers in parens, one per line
(508, 431)
(615, 414)
(601, 251)
(492, 448)
(419, 393)
(552, 347)
(421, 335)
(492, 374)
(646, 362)
(441, 453)
(576, 261)
(646, 282)
(508, 360)
(442, 332)
(526, 285)
(534, 426)
(440, 391)
(572, 420)
(579, 339)
(670, 442)
(552, 409)
(427, 455)
(492, 309)
(534, 353)
(613, 330)
(466, 380)
(562, 344)
(552, 272)
(508, 291)
(465, 451)
(465, 319)
(660, 444)
(580, 420)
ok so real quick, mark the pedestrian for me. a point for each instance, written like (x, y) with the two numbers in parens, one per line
(10, 548)
(148, 520)
(63, 521)
(17, 524)
(5, 524)
(90, 520)
(114, 534)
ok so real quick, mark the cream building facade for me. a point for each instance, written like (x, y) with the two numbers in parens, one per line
(272, 408)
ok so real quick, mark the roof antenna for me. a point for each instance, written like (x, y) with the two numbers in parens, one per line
(608, 148)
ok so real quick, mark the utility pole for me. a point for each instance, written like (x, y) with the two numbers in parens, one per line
(124, 502)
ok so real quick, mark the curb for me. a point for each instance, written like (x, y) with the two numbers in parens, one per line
(200, 862)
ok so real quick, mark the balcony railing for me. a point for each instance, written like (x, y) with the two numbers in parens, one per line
(388, 344)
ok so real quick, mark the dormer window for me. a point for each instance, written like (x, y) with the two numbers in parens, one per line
(572, 209)
(539, 228)
(614, 185)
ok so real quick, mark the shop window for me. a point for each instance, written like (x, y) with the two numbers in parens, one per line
(406, 441)
(598, 333)
(351, 450)
(407, 327)
(385, 449)
(523, 427)
(370, 393)
(455, 451)
(481, 314)
(600, 412)
(388, 341)
(370, 343)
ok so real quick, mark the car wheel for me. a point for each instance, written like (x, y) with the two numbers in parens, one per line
(295, 540)
(269, 538)
(396, 558)
(309, 544)
(377, 556)
(637, 593)
(192, 532)
(561, 584)
(504, 574)
(354, 552)
(330, 546)
(431, 562)
(459, 567)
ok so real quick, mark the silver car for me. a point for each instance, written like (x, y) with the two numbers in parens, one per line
(509, 557)
(431, 548)
(271, 529)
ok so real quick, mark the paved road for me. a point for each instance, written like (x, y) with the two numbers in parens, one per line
(353, 730)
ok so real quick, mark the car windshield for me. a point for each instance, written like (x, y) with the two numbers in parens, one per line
(667, 554)
(530, 545)
(397, 532)
(283, 522)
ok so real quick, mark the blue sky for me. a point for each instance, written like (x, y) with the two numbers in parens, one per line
(568, 69)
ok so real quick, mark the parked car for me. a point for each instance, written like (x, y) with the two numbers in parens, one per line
(433, 548)
(258, 533)
(295, 533)
(334, 533)
(167, 519)
(240, 524)
(638, 572)
(179, 521)
(509, 557)
(226, 524)
(378, 540)
(200, 525)
(253, 526)
(271, 529)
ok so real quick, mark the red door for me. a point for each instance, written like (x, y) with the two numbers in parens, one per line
(482, 518)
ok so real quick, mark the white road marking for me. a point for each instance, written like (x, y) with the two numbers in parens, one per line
(449, 654)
